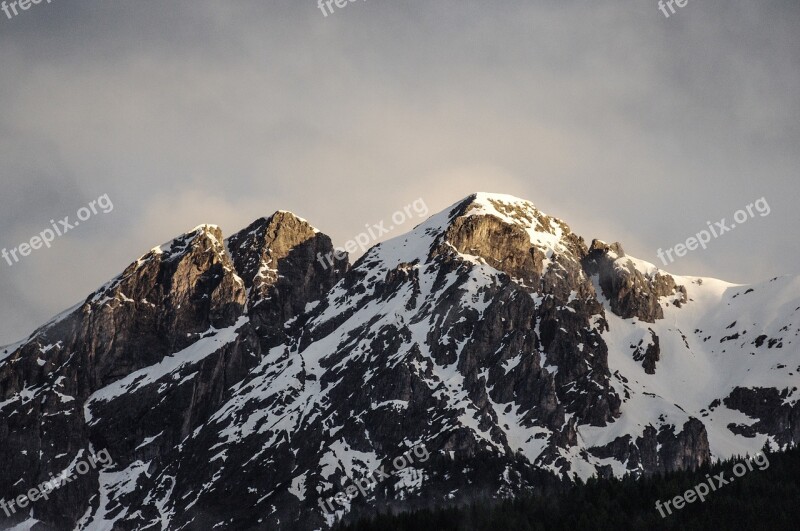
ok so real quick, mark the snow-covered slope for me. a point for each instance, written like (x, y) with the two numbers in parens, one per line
(727, 337)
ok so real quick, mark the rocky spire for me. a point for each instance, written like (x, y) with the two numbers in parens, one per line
(285, 264)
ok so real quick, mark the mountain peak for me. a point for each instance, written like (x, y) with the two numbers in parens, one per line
(475, 226)
(278, 258)
(204, 235)
(511, 235)
(257, 248)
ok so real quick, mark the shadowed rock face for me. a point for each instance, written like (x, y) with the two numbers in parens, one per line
(630, 292)
(239, 383)
(660, 451)
(769, 406)
(160, 304)
(650, 354)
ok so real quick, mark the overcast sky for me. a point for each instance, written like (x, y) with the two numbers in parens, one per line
(629, 126)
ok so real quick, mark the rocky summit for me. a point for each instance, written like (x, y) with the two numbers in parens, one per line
(242, 383)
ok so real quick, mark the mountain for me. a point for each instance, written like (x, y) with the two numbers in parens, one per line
(248, 384)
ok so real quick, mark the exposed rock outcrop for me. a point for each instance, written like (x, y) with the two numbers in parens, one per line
(775, 414)
(631, 292)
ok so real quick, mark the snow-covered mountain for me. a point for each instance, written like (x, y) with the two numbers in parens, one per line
(241, 384)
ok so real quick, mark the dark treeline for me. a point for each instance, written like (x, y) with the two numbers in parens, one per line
(766, 499)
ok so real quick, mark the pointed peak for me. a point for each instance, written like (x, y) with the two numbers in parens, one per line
(287, 219)
(256, 249)
(179, 245)
(279, 221)
(280, 225)
(286, 215)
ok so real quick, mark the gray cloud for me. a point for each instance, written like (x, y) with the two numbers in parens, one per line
(629, 126)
